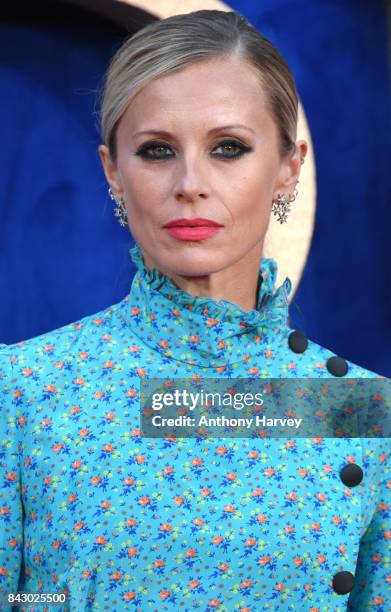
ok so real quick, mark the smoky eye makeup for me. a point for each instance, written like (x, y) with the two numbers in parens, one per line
(156, 150)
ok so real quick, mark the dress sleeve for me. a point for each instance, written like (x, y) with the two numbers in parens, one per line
(11, 506)
(372, 588)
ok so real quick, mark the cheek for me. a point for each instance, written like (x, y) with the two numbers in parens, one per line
(252, 201)
(142, 193)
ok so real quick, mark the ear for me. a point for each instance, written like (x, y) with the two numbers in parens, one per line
(111, 170)
(290, 170)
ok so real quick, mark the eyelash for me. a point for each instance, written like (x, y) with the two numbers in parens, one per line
(142, 151)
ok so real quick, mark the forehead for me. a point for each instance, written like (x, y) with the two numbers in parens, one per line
(216, 89)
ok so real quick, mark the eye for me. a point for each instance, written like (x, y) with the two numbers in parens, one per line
(154, 151)
(230, 146)
(157, 147)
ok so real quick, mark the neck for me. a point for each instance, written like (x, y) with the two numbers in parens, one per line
(238, 283)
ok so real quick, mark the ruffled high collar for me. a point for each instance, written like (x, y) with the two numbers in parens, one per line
(200, 330)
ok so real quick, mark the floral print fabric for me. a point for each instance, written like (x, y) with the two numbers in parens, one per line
(116, 521)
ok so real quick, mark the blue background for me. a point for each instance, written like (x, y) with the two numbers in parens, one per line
(63, 254)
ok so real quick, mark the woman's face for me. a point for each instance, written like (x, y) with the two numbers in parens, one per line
(199, 168)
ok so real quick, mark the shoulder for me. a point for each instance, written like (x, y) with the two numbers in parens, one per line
(41, 366)
(368, 393)
(68, 340)
(314, 360)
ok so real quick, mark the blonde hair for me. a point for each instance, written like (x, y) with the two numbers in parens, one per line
(171, 44)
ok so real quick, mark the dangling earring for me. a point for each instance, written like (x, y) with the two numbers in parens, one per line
(281, 205)
(120, 209)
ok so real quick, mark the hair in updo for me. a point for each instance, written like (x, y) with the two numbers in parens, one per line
(171, 44)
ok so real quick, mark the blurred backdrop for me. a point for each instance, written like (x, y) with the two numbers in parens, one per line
(63, 254)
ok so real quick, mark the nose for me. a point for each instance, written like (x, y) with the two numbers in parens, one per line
(191, 184)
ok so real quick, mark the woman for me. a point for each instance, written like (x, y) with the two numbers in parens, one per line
(199, 128)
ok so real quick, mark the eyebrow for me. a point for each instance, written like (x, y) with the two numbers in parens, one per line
(216, 129)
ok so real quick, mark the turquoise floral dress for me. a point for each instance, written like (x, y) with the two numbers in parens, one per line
(116, 521)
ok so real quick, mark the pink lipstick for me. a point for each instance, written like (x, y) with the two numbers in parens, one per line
(192, 229)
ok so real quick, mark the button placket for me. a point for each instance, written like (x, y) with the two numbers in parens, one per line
(297, 341)
(343, 582)
(351, 475)
(337, 366)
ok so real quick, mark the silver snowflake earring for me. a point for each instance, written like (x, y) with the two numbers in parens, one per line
(120, 209)
(281, 205)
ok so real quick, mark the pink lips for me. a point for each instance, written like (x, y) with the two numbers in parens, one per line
(192, 229)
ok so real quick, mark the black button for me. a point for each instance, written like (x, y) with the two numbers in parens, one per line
(351, 475)
(297, 342)
(343, 583)
(337, 366)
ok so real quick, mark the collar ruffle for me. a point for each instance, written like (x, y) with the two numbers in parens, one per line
(200, 330)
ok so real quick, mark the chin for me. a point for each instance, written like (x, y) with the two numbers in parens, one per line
(195, 265)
